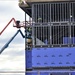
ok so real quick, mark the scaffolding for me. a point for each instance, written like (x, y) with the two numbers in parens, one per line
(54, 12)
(54, 24)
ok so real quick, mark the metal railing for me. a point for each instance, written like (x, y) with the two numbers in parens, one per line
(53, 23)
(53, 12)
(54, 34)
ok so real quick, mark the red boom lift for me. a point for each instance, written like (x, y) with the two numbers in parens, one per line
(17, 25)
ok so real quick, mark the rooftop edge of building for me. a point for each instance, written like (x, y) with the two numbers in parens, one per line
(32, 1)
(39, 1)
(26, 4)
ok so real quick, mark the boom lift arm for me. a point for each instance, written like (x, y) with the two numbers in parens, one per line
(28, 34)
(17, 25)
(7, 44)
(8, 25)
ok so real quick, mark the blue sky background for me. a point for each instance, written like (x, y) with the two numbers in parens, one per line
(13, 58)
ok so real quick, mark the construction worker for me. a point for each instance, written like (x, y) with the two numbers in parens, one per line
(39, 19)
(28, 37)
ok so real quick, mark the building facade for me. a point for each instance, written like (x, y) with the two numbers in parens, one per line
(51, 49)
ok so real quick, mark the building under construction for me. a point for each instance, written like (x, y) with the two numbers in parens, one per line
(50, 44)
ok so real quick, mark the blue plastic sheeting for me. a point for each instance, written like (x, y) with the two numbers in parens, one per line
(28, 73)
(73, 73)
(60, 73)
(73, 40)
(38, 73)
(32, 73)
(66, 40)
(53, 57)
(44, 73)
(47, 72)
(28, 59)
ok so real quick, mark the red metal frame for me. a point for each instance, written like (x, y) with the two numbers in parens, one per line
(17, 26)
(22, 24)
(8, 25)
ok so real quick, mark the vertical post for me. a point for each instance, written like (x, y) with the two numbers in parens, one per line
(33, 36)
(25, 29)
(50, 27)
(69, 73)
(70, 22)
(38, 72)
(25, 44)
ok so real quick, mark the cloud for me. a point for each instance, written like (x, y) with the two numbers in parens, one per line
(13, 63)
(13, 58)
(12, 74)
(10, 8)
(18, 40)
(15, 52)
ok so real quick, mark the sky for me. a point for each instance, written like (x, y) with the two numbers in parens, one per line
(13, 57)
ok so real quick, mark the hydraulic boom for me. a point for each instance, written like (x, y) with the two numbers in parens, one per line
(17, 25)
(7, 44)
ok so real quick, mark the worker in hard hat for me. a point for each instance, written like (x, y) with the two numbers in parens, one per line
(39, 19)
(28, 37)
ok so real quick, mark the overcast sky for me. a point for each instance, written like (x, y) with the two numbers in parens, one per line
(13, 58)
